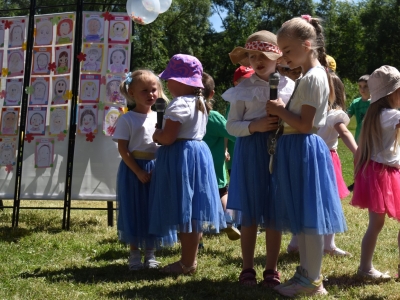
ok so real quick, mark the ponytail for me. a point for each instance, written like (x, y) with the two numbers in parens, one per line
(202, 104)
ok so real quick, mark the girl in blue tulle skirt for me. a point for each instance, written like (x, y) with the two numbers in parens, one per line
(184, 191)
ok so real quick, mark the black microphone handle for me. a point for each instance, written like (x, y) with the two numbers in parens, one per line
(160, 117)
(273, 94)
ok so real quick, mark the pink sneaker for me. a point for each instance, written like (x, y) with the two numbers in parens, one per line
(302, 286)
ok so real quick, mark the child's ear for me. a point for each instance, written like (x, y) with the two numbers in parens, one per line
(307, 44)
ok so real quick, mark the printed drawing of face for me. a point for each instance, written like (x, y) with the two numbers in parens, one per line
(16, 35)
(64, 28)
(94, 26)
(7, 154)
(63, 59)
(9, 120)
(57, 123)
(113, 88)
(42, 61)
(15, 62)
(90, 89)
(93, 55)
(13, 92)
(88, 121)
(117, 57)
(36, 120)
(44, 33)
(44, 155)
(119, 29)
(60, 87)
(113, 118)
(39, 90)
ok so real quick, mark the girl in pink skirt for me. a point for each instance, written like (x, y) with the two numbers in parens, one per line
(377, 163)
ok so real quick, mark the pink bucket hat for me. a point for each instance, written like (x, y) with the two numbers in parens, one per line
(185, 69)
(383, 82)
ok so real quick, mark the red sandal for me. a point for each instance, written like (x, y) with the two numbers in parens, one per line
(272, 278)
(248, 277)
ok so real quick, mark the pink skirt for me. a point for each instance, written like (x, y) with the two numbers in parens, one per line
(342, 187)
(378, 189)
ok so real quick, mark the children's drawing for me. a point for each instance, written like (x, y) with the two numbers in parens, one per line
(40, 94)
(7, 151)
(13, 92)
(112, 90)
(117, 59)
(15, 63)
(41, 60)
(111, 115)
(44, 32)
(94, 58)
(90, 88)
(44, 152)
(9, 120)
(60, 87)
(119, 28)
(2, 31)
(17, 34)
(87, 121)
(58, 119)
(64, 31)
(93, 28)
(36, 121)
(63, 60)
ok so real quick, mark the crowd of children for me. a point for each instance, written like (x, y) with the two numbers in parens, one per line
(285, 174)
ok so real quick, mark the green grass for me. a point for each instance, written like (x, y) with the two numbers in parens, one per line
(38, 260)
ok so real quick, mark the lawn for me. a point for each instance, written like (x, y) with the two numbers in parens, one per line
(40, 261)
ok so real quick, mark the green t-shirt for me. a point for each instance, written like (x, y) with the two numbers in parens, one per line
(231, 145)
(214, 138)
(358, 108)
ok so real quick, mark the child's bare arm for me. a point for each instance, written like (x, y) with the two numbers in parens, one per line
(346, 136)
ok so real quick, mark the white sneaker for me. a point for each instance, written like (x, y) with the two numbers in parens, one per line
(151, 263)
(135, 262)
(373, 274)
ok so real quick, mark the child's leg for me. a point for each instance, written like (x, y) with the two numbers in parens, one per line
(135, 259)
(376, 222)
(330, 246)
(190, 243)
(311, 251)
(273, 245)
(293, 246)
(248, 243)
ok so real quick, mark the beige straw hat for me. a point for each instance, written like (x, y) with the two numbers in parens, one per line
(383, 81)
(260, 41)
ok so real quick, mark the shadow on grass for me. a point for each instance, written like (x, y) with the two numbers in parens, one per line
(13, 235)
(345, 281)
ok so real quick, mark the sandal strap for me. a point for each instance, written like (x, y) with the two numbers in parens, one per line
(248, 276)
(188, 270)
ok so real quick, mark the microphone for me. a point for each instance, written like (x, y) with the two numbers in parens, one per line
(160, 108)
(273, 85)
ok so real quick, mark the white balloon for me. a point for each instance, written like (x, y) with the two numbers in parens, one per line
(143, 11)
(164, 5)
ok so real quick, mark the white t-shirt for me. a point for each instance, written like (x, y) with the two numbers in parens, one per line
(138, 129)
(312, 90)
(388, 156)
(183, 109)
(248, 100)
(328, 132)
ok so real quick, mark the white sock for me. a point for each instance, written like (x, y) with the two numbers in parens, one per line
(313, 248)
(294, 242)
(329, 242)
(149, 254)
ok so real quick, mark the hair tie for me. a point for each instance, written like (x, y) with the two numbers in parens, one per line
(306, 17)
(128, 79)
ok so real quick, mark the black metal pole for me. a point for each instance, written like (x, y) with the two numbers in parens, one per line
(24, 108)
(74, 109)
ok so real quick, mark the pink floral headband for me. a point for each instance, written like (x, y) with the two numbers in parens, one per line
(306, 17)
(263, 46)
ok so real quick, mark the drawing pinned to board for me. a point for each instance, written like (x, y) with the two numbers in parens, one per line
(9, 120)
(113, 94)
(44, 31)
(13, 92)
(40, 93)
(41, 59)
(2, 31)
(119, 28)
(7, 151)
(65, 30)
(94, 58)
(87, 119)
(63, 60)
(17, 34)
(117, 59)
(15, 62)
(93, 28)
(90, 88)
(111, 115)
(58, 120)
(60, 88)
(36, 120)
(44, 153)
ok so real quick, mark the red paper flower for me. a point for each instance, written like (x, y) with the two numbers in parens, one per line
(61, 136)
(9, 168)
(3, 94)
(8, 24)
(90, 137)
(81, 56)
(52, 66)
(107, 16)
(29, 138)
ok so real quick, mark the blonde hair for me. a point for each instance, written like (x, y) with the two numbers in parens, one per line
(112, 112)
(340, 95)
(312, 31)
(139, 76)
(209, 86)
(370, 140)
(87, 84)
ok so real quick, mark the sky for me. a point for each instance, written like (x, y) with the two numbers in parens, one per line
(216, 21)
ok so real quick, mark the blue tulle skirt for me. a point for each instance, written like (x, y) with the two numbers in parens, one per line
(304, 187)
(184, 191)
(249, 184)
(133, 209)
